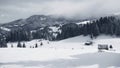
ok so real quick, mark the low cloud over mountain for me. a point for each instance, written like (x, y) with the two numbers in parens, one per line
(15, 9)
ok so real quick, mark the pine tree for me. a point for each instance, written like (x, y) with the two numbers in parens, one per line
(117, 30)
(95, 30)
(36, 45)
(19, 45)
(24, 46)
(41, 43)
(3, 43)
(111, 47)
(11, 45)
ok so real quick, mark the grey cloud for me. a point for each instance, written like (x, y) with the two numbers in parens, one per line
(15, 9)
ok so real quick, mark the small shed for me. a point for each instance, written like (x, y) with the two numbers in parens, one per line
(88, 43)
(103, 47)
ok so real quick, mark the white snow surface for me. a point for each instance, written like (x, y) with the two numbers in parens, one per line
(83, 22)
(42, 18)
(54, 29)
(68, 53)
(4, 28)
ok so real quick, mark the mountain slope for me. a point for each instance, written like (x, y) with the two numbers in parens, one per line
(37, 21)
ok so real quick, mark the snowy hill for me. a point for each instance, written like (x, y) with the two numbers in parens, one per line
(74, 42)
(37, 21)
(68, 53)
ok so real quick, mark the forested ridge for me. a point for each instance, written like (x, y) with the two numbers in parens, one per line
(104, 25)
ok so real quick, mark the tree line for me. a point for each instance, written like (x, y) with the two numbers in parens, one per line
(104, 25)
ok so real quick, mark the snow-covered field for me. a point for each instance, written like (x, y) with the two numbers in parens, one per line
(68, 53)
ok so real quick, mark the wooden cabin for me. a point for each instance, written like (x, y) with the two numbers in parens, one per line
(89, 43)
(103, 47)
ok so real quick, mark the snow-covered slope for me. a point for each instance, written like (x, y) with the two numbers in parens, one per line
(68, 53)
(84, 22)
(5, 29)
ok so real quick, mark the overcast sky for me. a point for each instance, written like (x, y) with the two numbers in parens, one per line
(14, 9)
